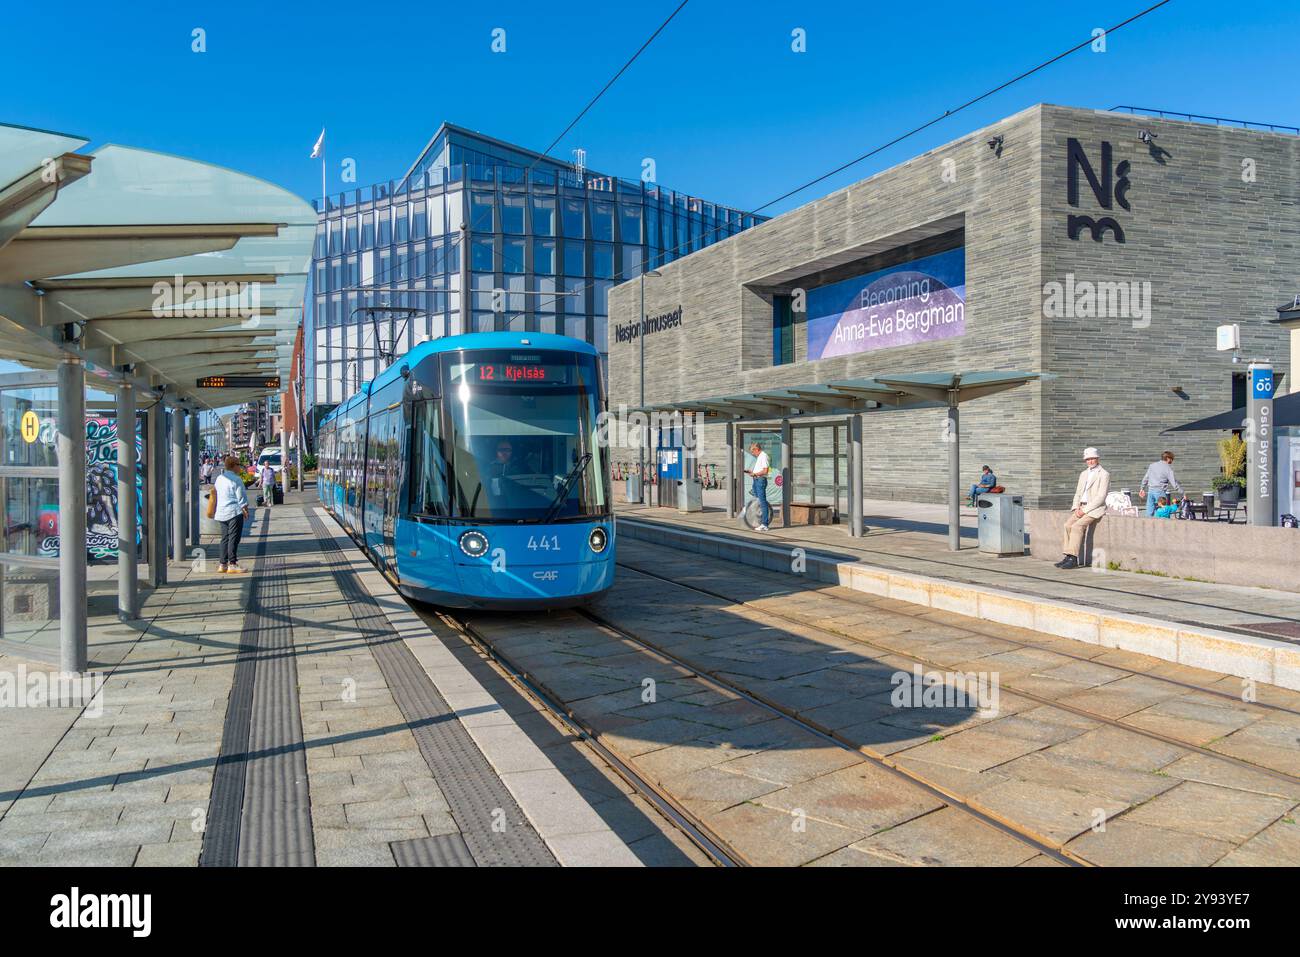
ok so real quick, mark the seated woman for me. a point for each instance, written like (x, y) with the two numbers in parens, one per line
(986, 482)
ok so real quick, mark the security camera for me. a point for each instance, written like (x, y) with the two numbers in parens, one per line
(1146, 136)
(995, 144)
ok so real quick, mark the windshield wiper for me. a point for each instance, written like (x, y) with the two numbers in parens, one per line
(563, 493)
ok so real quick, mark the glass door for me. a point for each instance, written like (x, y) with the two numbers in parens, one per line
(29, 537)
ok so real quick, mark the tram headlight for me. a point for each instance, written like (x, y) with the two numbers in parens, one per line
(598, 539)
(474, 544)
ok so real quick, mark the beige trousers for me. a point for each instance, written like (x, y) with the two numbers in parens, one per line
(1075, 529)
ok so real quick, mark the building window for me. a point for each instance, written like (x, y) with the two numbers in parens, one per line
(602, 260)
(512, 256)
(418, 227)
(782, 330)
(385, 227)
(574, 219)
(629, 223)
(481, 213)
(575, 259)
(512, 214)
(631, 262)
(546, 299)
(602, 221)
(543, 217)
(481, 260)
(544, 257)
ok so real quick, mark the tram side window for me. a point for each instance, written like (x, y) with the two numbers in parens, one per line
(428, 467)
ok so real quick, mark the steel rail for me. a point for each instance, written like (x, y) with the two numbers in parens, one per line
(699, 834)
(1040, 699)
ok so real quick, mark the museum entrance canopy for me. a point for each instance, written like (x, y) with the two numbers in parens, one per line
(917, 390)
(850, 397)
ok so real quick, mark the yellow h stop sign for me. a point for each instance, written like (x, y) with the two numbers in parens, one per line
(31, 426)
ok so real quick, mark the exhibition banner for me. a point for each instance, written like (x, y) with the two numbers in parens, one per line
(918, 301)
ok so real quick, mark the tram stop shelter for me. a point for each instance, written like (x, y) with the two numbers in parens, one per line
(847, 400)
(168, 286)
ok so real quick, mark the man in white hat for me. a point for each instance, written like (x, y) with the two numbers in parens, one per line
(1088, 508)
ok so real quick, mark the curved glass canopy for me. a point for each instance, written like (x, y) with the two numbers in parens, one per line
(177, 268)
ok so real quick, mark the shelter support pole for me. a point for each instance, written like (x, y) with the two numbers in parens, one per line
(954, 477)
(787, 473)
(732, 477)
(128, 515)
(154, 498)
(855, 475)
(178, 484)
(71, 450)
(284, 449)
(196, 448)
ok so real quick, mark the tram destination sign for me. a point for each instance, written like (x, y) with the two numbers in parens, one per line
(239, 382)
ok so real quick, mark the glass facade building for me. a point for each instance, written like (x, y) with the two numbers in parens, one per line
(536, 243)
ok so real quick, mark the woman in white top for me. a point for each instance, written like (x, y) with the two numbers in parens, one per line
(232, 509)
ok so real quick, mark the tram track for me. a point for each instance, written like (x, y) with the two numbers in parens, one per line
(1007, 685)
(695, 830)
(692, 825)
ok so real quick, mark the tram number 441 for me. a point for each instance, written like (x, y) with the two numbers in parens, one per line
(546, 543)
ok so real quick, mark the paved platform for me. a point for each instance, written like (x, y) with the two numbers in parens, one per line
(303, 714)
(1246, 632)
(1110, 757)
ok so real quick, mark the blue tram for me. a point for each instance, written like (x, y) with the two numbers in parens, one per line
(471, 474)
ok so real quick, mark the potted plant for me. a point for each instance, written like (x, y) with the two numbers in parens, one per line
(1231, 482)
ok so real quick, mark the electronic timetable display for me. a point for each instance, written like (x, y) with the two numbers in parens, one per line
(511, 371)
(238, 382)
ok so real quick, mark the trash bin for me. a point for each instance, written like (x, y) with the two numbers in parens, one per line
(634, 488)
(1001, 524)
(277, 494)
(207, 526)
(690, 496)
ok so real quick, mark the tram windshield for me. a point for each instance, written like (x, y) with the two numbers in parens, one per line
(523, 442)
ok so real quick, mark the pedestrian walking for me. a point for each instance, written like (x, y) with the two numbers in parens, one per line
(759, 472)
(1159, 482)
(1088, 508)
(231, 510)
(268, 483)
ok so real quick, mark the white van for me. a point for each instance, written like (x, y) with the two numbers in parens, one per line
(270, 454)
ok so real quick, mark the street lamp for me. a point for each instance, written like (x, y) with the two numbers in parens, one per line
(645, 494)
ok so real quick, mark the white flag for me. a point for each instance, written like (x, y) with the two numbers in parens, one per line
(319, 148)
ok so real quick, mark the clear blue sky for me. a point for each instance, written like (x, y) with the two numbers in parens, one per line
(719, 100)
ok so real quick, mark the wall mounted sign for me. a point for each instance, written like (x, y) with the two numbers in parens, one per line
(31, 426)
(919, 301)
(627, 332)
(1107, 190)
